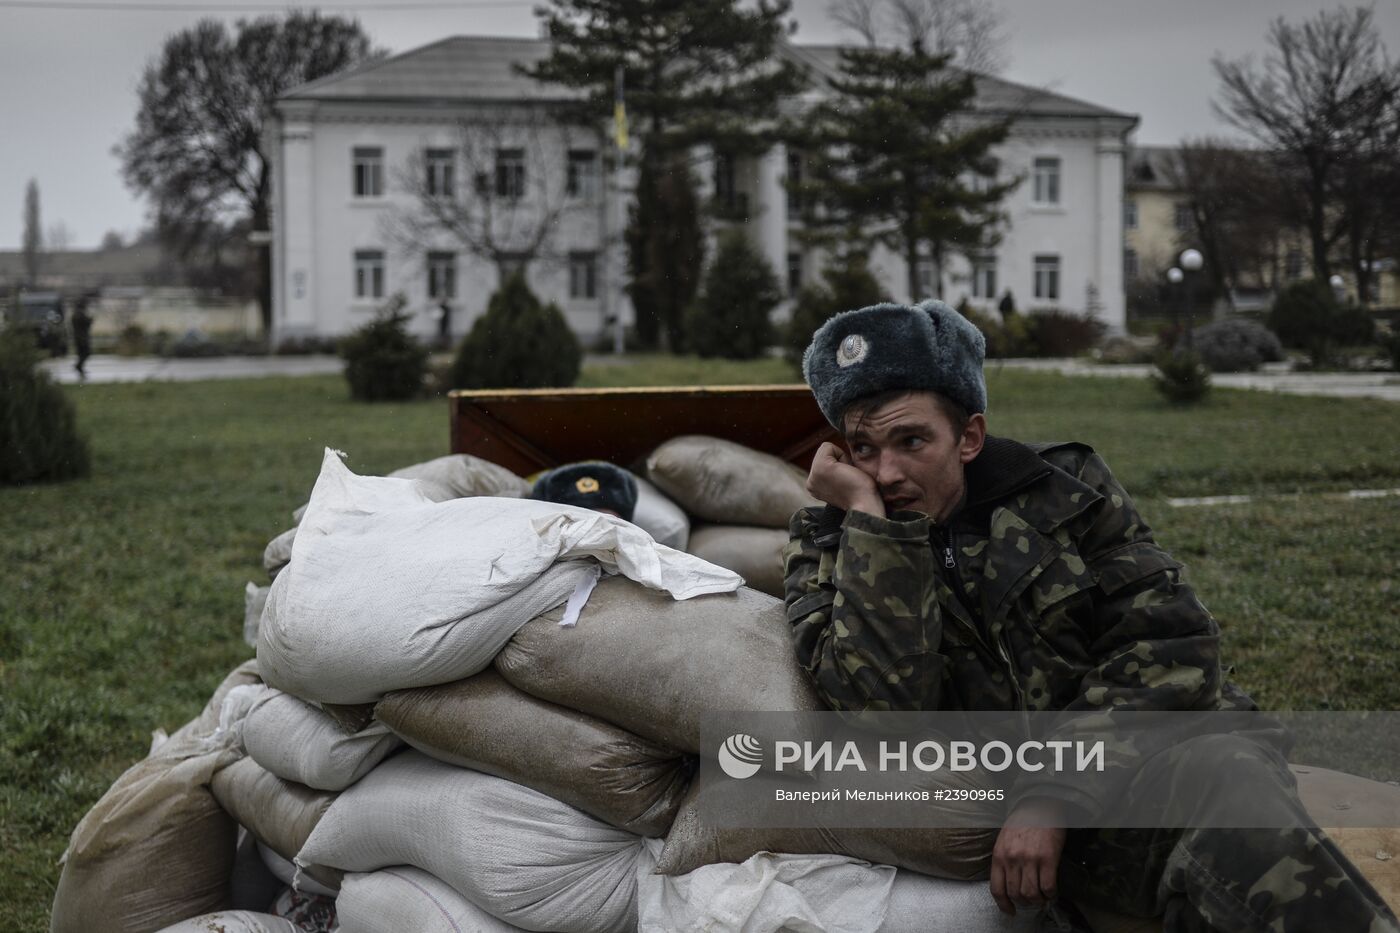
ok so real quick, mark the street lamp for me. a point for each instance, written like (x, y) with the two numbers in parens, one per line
(1174, 277)
(1191, 261)
(1338, 287)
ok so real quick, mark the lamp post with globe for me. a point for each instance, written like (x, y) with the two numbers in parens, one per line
(1174, 277)
(1191, 262)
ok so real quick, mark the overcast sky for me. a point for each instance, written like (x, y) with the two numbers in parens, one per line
(68, 77)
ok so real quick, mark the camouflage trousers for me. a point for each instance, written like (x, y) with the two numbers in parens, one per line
(1224, 880)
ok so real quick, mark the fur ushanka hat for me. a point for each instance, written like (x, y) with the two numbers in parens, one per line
(590, 485)
(890, 346)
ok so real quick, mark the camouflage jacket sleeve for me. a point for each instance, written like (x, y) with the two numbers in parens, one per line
(1154, 645)
(864, 612)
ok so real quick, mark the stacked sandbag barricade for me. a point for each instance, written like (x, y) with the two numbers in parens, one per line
(471, 711)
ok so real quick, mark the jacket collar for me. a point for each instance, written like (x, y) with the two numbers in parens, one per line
(1016, 476)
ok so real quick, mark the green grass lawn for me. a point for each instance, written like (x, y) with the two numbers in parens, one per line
(121, 598)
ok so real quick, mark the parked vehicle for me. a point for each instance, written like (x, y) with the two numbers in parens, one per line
(43, 313)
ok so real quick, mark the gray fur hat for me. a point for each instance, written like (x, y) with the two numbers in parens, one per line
(890, 346)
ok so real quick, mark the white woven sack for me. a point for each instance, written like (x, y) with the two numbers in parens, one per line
(387, 590)
(920, 904)
(254, 599)
(404, 899)
(298, 742)
(659, 517)
(458, 475)
(234, 921)
(521, 856)
(278, 552)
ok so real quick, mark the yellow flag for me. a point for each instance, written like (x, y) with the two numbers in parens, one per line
(619, 112)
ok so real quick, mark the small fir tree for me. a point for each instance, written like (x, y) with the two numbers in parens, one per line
(383, 362)
(519, 343)
(731, 317)
(665, 252)
(39, 440)
(848, 284)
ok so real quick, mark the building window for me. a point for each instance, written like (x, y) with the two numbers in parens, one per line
(727, 193)
(794, 182)
(984, 276)
(369, 273)
(1293, 265)
(583, 275)
(510, 173)
(582, 179)
(1130, 264)
(369, 171)
(1047, 278)
(1183, 219)
(1047, 181)
(441, 173)
(442, 275)
(794, 273)
(1130, 217)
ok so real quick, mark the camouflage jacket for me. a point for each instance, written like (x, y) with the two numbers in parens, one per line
(1076, 607)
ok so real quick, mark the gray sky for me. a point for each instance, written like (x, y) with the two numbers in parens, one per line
(69, 77)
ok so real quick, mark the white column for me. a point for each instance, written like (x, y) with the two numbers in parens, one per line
(297, 228)
(770, 213)
(1109, 233)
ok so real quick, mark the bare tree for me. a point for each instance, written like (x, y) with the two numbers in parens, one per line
(58, 237)
(1316, 102)
(969, 32)
(500, 191)
(33, 234)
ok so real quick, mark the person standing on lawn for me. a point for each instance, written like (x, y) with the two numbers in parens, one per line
(82, 335)
(954, 570)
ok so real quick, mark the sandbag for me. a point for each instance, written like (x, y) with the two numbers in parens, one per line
(279, 813)
(292, 879)
(522, 856)
(721, 481)
(156, 848)
(278, 552)
(485, 724)
(457, 476)
(254, 598)
(920, 904)
(756, 554)
(234, 921)
(409, 900)
(387, 590)
(957, 854)
(252, 885)
(659, 668)
(660, 517)
(297, 742)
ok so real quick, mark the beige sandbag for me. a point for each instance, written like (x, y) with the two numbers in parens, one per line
(958, 854)
(661, 668)
(279, 813)
(156, 848)
(485, 724)
(298, 742)
(278, 553)
(660, 517)
(234, 921)
(460, 475)
(408, 900)
(756, 554)
(722, 481)
(350, 717)
(254, 599)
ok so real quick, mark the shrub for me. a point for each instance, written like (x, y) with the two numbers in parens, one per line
(1307, 315)
(730, 317)
(1236, 345)
(1062, 333)
(1124, 350)
(39, 438)
(132, 341)
(1182, 377)
(383, 362)
(306, 346)
(1390, 343)
(848, 284)
(519, 343)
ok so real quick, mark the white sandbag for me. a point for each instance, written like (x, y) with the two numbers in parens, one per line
(766, 894)
(278, 552)
(462, 475)
(409, 900)
(234, 921)
(286, 872)
(721, 481)
(254, 599)
(281, 814)
(756, 554)
(387, 590)
(299, 742)
(920, 904)
(523, 857)
(660, 517)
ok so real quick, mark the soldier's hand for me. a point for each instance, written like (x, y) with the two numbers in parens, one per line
(837, 482)
(1026, 857)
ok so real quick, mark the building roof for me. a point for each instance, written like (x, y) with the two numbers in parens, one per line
(475, 68)
(1151, 168)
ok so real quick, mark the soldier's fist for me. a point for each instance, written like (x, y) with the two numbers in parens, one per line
(835, 481)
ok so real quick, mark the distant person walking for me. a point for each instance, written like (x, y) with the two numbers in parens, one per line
(444, 325)
(82, 335)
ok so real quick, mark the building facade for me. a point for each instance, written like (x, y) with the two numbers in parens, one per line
(362, 162)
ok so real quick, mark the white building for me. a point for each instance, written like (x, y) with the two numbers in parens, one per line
(347, 149)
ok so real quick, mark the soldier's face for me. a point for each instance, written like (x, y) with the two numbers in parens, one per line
(914, 452)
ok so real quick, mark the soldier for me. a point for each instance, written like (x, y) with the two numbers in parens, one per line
(954, 570)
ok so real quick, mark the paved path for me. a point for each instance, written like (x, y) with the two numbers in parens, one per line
(105, 368)
(1271, 379)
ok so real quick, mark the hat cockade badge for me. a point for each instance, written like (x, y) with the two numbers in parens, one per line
(851, 351)
(586, 485)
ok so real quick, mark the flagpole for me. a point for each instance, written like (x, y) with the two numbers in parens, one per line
(620, 143)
